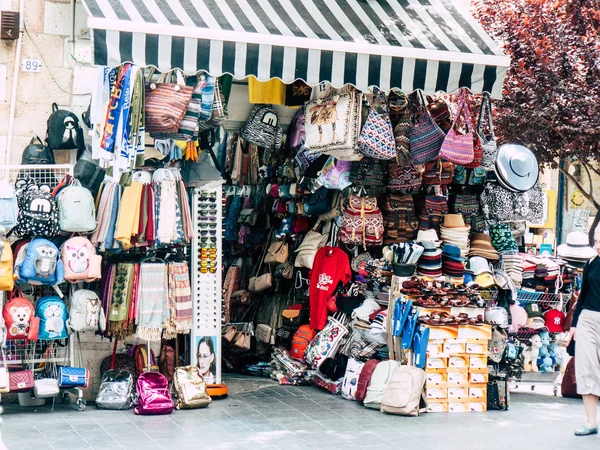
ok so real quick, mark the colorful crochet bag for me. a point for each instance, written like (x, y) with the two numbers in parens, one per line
(424, 135)
(376, 138)
(404, 178)
(458, 148)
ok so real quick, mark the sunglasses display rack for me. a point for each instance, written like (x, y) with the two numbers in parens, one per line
(207, 212)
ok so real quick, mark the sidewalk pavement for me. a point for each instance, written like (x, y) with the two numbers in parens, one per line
(259, 413)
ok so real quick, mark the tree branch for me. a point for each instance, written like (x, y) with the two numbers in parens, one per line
(573, 180)
(586, 163)
(587, 170)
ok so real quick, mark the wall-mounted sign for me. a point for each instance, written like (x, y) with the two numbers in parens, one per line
(31, 65)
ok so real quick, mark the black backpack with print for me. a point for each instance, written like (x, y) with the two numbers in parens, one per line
(64, 131)
(38, 211)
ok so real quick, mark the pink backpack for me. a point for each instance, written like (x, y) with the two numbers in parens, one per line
(153, 394)
(80, 260)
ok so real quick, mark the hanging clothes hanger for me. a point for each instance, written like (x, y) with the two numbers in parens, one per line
(151, 257)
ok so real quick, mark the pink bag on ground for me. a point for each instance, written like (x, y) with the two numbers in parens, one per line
(153, 394)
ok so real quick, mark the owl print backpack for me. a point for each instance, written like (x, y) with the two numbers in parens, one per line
(86, 313)
(41, 265)
(80, 260)
(52, 313)
(38, 211)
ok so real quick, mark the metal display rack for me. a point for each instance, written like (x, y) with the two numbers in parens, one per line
(207, 283)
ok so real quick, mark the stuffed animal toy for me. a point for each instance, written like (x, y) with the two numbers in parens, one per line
(531, 353)
(547, 365)
(544, 349)
(558, 353)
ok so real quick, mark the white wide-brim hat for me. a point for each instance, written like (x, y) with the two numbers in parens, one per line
(516, 167)
(577, 247)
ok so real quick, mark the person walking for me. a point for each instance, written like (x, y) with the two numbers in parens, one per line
(586, 332)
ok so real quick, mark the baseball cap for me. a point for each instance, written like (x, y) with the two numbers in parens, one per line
(555, 321)
(533, 310)
(536, 322)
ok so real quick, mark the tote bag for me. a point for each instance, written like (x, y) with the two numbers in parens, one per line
(326, 342)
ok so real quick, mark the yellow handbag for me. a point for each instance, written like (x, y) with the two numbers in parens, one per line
(7, 280)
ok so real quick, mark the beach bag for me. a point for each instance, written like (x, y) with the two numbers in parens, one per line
(405, 392)
(38, 213)
(76, 209)
(86, 312)
(153, 395)
(166, 105)
(19, 319)
(262, 127)
(379, 382)
(350, 383)
(52, 312)
(7, 281)
(190, 388)
(115, 390)
(9, 210)
(362, 222)
(424, 135)
(458, 148)
(80, 260)
(376, 138)
(41, 265)
(364, 379)
(325, 344)
(64, 131)
(489, 147)
(399, 219)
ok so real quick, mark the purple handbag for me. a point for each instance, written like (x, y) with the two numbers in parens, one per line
(424, 135)
(153, 394)
(458, 148)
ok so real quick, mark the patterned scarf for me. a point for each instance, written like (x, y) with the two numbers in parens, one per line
(120, 300)
(152, 307)
(180, 300)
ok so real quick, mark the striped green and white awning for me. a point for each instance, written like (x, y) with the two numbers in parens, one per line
(410, 44)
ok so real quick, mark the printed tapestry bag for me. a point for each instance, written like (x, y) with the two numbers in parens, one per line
(406, 179)
(376, 138)
(326, 343)
(477, 153)
(439, 173)
(489, 147)
(400, 117)
(425, 136)
(362, 222)
(166, 105)
(458, 148)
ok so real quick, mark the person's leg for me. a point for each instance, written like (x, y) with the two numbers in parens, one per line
(590, 402)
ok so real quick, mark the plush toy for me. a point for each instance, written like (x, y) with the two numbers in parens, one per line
(531, 353)
(558, 353)
(545, 337)
(547, 364)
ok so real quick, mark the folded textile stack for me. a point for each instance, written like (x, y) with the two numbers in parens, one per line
(514, 267)
(541, 273)
(455, 232)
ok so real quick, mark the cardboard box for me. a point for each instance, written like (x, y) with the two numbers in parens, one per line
(437, 363)
(439, 405)
(479, 370)
(483, 331)
(478, 406)
(458, 392)
(458, 361)
(454, 346)
(458, 377)
(443, 332)
(478, 362)
(475, 377)
(435, 347)
(478, 391)
(477, 346)
(436, 376)
(458, 405)
(437, 391)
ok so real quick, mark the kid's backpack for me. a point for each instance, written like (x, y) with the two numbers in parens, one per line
(38, 212)
(115, 390)
(190, 388)
(20, 320)
(41, 265)
(7, 281)
(364, 380)
(379, 381)
(405, 392)
(153, 394)
(9, 210)
(52, 312)
(350, 383)
(77, 211)
(80, 260)
(86, 313)
(300, 341)
(262, 127)
(64, 131)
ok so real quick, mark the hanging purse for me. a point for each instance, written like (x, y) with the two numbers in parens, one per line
(406, 179)
(21, 380)
(489, 147)
(166, 105)
(277, 253)
(306, 252)
(318, 202)
(438, 173)
(440, 113)
(376, 138)
(260, 283)
(249, 216)
(45, 388)
(458, 148)
(424, 135)
(477, 153)
(70, 377)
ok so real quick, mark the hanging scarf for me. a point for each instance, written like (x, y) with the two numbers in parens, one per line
(121, 145)
(105, 80)
(136, 136)
(106, 287)
(129, 214)
(151, 308)
(115, 108)
(180, 300)
(120, 300)
(110, 243)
